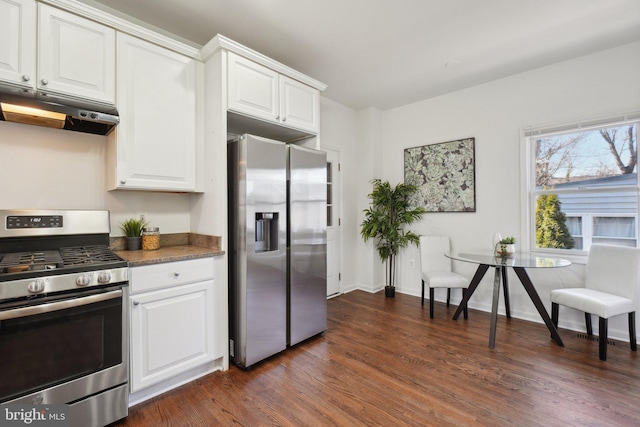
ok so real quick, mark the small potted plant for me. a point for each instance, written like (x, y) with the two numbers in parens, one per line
(132, 229)
(506, 247)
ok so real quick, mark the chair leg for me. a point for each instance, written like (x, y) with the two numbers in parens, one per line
(632, 331)
(448, 296)
(603, 338)
(554, 314)
(422, 293)
(466, 308)
(587, 321)
(431, 303)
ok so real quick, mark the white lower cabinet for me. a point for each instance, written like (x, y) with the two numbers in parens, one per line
(172, 320)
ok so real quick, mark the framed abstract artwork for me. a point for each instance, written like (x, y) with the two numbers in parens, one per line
(444, 174)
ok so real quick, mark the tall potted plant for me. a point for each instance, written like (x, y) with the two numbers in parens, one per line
(384, 221)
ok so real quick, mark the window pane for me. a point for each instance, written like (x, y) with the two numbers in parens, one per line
(617, 242)
(594, 172)
(578, 243)
(614, 227)
(574, 224)
(590, 157)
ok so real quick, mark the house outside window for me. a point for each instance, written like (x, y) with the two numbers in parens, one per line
(582, 186)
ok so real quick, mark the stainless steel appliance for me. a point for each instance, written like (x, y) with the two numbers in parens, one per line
(63, 314)
(277, 247)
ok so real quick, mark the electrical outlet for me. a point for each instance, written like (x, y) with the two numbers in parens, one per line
(142, 216)
(411, 263)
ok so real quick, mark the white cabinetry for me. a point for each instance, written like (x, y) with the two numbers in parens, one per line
(18, 47)
(172, 320)
(260, 92)
(154, 147)
(75, 57)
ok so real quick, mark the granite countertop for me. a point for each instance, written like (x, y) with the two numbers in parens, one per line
(177, 247)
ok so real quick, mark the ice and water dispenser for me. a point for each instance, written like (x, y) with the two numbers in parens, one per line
(266, 231)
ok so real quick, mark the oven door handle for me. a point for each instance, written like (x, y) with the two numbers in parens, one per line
(56, 306)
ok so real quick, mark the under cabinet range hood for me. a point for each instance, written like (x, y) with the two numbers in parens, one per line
(35, 108)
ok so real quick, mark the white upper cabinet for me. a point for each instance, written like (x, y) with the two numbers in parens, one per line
(260, 92)
(75, 56)
(18, 47)
(252, 89)
(155, 142)
(299, 105)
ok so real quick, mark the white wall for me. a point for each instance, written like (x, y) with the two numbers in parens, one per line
(44, 168)
(593, 86)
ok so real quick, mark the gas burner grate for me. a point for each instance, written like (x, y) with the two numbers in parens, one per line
(87, 255)
(30, 261)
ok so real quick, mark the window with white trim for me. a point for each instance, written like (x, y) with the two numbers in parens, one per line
(582, 186)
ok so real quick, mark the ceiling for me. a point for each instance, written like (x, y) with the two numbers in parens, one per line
(388, 53)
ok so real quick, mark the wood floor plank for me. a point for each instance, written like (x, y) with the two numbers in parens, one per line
(383, 362)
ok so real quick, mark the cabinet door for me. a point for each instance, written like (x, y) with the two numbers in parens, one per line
(75, 56)
(156, 137)
(171, 332)
(299, 105)
(252, 89)
(18, 46)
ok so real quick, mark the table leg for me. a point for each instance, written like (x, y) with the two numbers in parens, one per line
(494, 307)
(505, 285)
(480, 272)
(531, 290)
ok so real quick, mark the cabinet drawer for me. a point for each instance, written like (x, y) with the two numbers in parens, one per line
(158, 276)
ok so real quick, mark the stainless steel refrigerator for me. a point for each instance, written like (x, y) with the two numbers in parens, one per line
(277, 246)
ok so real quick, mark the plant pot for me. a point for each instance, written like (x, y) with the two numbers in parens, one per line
(390, 291)
(134, 243)
(505, 251)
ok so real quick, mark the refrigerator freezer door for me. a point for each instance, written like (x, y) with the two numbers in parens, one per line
(307, 243)
(258, 288)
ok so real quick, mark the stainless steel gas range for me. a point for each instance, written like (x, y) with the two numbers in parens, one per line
(63, 314)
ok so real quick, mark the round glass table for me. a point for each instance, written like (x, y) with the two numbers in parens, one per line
(519, 262)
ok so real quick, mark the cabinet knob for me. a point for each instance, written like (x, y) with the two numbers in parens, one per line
(44, 82)
(277, 117)
(123, 181)
(176, 274)
(284, 119)
(136, 303)
(25, 78)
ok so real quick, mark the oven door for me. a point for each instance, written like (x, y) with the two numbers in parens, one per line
(61, 350)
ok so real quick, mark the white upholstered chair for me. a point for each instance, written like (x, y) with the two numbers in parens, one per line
(436, 269)
(612, 278)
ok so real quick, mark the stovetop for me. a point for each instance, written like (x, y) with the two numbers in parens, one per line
(72, 269)
(79, 259)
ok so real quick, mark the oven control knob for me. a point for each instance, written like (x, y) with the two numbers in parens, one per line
(36, 286)
(104, 277)
(83, 280)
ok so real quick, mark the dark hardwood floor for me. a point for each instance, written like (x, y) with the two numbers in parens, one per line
(384, 362)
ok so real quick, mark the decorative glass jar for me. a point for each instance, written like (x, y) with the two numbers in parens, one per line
(150, 238)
